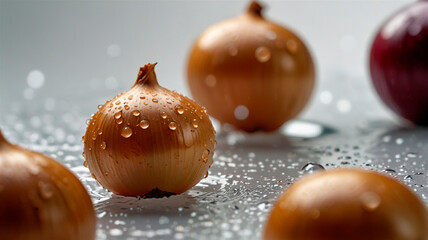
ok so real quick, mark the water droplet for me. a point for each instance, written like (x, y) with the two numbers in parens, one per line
(195, 123)
(126, 107)
(210, 80)
(103, 145)
(408, 178)
(118, 115)
(179, 109)
(241, 112)
(163, 220)
(35, 170)
(119, 121)
(35, 79)
(46, 190)
(271, 35)
(100, 133)
(205, 155)
(163, 115)
(116, 232)
(100, 106)
(130, 97)
(136, 113)
(144, 124)
(117, 102)
(263, 54)
(411, 155)
(233, 51)
(312, 167)
(126, 132)
(292, 46)
(155, 100)
(370, 201)
(94, 136)
(172, 126)
(399, 141)
(390, 171)
(85, 164)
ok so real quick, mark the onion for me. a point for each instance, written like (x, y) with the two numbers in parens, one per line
(149, 141)
(251, 73)
(40, 198)
(399, 63)
(350, 204)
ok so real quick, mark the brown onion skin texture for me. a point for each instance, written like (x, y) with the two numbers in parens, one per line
(41, 199)
(274, 91)
(157, 157)
(348, 204)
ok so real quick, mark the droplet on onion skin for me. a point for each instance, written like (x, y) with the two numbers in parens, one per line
(205, 155)
(263, 54)
(370, 201)
(155, 100)
(292, 46)
(211, 81)
(195, 123)
(172, 125)
(119, 121)
(46, 190)
(144, 124)
(118, 115)
(163, 115)
(126, 132)
(179, 109)
(103, 145)
(136, 113)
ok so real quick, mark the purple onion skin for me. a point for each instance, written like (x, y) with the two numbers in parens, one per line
(399, 63)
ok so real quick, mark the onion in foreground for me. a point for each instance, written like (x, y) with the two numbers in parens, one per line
(149, 141)
(350, 204)
(41, 199)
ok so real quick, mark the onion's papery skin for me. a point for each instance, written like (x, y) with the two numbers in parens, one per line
(171, 155)
(251, 62)
(399, 63)
(41, 199)
(351, 204)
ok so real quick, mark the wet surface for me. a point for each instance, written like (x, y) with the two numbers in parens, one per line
(248, 174)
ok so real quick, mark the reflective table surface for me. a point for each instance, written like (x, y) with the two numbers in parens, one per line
(250, 170)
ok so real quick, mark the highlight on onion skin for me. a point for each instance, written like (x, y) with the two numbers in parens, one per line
(399, 63)
(149, 141)
(41, 199)
(250, 72)
(350, 204)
